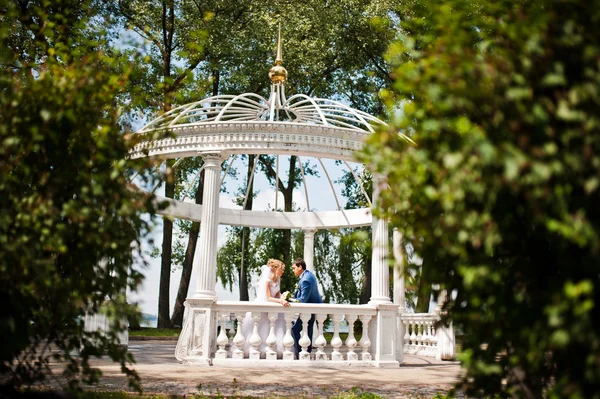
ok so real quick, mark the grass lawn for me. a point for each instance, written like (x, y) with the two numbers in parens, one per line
(155, 332)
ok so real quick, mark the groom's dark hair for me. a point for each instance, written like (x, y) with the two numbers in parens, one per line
(300, 262)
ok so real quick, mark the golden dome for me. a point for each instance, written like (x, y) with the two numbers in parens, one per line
(278, 74)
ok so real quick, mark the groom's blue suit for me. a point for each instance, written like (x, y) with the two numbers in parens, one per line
(308, 292)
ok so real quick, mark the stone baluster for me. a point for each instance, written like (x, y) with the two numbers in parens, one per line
(336, 341)
(255, 340)
(304, 340)
(351, 341)
(231, 333)
(365, 342)
(419, 332)
(426, 333)
(413, 335)
(238, 340)
(222, 339)
(433, 336)
(320, 342)
(406, 335)
(271, 340)
(288, 339)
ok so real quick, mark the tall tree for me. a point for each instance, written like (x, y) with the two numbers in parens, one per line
(67, 216)
(169, 27)
(247, 205)
(502, 188)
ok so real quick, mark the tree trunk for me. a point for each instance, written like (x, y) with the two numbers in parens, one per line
(164, 320)
(216, 79)
(167, 248)
(188, 263)
(365, 293)
(424, 290)
(243, 276)
(288, 197)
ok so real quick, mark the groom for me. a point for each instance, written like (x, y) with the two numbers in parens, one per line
(308, 292)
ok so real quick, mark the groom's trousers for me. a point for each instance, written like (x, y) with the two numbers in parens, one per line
(296, 329)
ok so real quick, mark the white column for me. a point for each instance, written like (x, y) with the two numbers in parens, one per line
(446, 342)
(399, 289)
(309, 248)
(309, 253)
(380, 274)
(205, 259)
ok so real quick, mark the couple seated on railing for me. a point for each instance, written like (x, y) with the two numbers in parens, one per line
(268, 290)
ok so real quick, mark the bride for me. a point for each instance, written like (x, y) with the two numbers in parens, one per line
(267, 291)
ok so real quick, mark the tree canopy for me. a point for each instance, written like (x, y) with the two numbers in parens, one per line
(502, 187)
(69, 222)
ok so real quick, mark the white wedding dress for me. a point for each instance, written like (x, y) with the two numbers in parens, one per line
(264, 325)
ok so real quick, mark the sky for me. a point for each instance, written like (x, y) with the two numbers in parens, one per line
(320, 197)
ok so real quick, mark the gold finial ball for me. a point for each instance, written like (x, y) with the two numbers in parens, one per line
(278, 74)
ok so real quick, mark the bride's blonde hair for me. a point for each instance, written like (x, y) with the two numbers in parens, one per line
(275, 264)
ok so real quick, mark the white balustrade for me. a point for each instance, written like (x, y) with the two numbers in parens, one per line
(420, 334)
(230, 345)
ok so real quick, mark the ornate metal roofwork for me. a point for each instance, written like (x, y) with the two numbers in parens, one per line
(251, 107)
(248, 107)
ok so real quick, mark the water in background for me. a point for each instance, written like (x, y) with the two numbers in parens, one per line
(149, 320)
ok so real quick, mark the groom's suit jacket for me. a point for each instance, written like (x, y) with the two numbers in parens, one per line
(308, 290)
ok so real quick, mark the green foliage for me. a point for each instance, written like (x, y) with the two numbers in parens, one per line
(502, 187)
(229, 257)
(269, 244)
(340, 257)
(68, 220)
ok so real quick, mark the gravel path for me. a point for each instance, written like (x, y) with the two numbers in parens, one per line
(418, 377)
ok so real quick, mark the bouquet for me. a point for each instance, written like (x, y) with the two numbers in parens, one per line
(286, 296)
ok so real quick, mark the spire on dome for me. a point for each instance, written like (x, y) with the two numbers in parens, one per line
(278, 74)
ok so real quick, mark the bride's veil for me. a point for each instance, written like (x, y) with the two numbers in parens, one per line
(261, 288)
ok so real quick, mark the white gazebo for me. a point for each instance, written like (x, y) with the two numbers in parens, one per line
(225, 126)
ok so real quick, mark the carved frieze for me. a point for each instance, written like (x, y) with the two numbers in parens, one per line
(271, 137)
